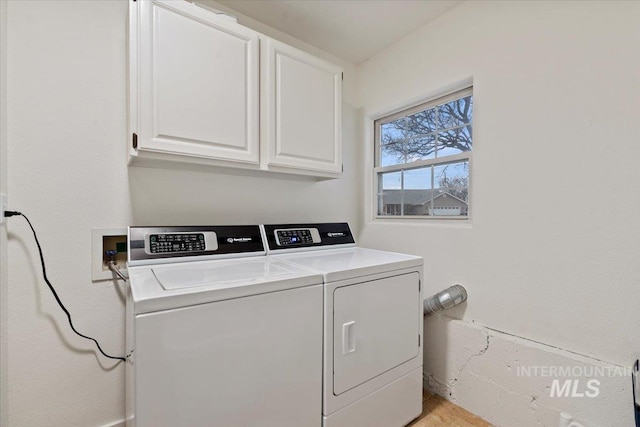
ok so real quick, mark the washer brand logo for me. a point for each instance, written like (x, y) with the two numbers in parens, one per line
(238, 239)
(335, 234)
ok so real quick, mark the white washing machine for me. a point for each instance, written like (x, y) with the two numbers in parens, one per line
(218, 333)
(373, 305)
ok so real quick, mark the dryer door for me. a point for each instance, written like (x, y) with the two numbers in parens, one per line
(375, 328)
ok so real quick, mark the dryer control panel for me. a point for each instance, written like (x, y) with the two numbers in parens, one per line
(297, 236)
(290, 236)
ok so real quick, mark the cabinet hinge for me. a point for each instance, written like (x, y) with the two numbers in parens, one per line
(135, 140)
(419, 285)
(418, 340)
(342, 76)
(343, 168)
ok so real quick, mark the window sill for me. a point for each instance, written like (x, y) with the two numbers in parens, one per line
(397, 220)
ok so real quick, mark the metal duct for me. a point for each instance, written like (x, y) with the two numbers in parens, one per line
(445, 299)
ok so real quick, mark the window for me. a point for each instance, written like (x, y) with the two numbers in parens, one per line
(422, 159)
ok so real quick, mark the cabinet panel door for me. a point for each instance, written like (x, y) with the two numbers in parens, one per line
(375, 328)
(198, 83)
(302, 110)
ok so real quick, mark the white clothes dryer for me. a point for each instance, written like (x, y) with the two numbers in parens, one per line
(218, 333)
(373, 305)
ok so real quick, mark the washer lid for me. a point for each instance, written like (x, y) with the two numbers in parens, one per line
(167, 286)
(218, 274)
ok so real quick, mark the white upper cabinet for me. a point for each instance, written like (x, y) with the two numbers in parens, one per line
(204, 89)
(301, 110)
(196, 84)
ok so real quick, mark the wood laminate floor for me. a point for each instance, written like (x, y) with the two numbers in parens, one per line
(439, 412)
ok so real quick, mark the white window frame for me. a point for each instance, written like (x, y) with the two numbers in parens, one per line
(455, 158)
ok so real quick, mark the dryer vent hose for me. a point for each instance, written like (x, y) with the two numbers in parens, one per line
(443, 300)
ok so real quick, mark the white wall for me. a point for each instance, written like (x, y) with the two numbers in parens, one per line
(551, 253)
(349, 88)
(67, 172)
(557, 91)
(4, 312)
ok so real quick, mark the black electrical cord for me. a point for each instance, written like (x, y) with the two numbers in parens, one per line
(53, 291)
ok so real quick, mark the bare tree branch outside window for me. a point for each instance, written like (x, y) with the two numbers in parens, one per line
(439, 183)
(444, 129)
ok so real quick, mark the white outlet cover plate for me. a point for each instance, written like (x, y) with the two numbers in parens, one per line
(97, 273)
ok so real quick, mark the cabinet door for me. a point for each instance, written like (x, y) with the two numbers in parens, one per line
(195, 81)
(301, 111)
(376, 326)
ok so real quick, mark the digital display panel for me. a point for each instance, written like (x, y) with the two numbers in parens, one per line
(183, 242)
(294, 237)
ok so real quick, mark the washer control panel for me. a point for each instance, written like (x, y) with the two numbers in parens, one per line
(158, 243)
(150, 245)
(297, 236)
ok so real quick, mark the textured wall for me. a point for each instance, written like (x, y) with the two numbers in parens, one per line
(67, 172)
(551, 252)
(4, 307)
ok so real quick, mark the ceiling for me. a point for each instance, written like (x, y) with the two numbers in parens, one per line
(353, 30)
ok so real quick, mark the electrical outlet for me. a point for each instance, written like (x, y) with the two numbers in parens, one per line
(103, 240)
